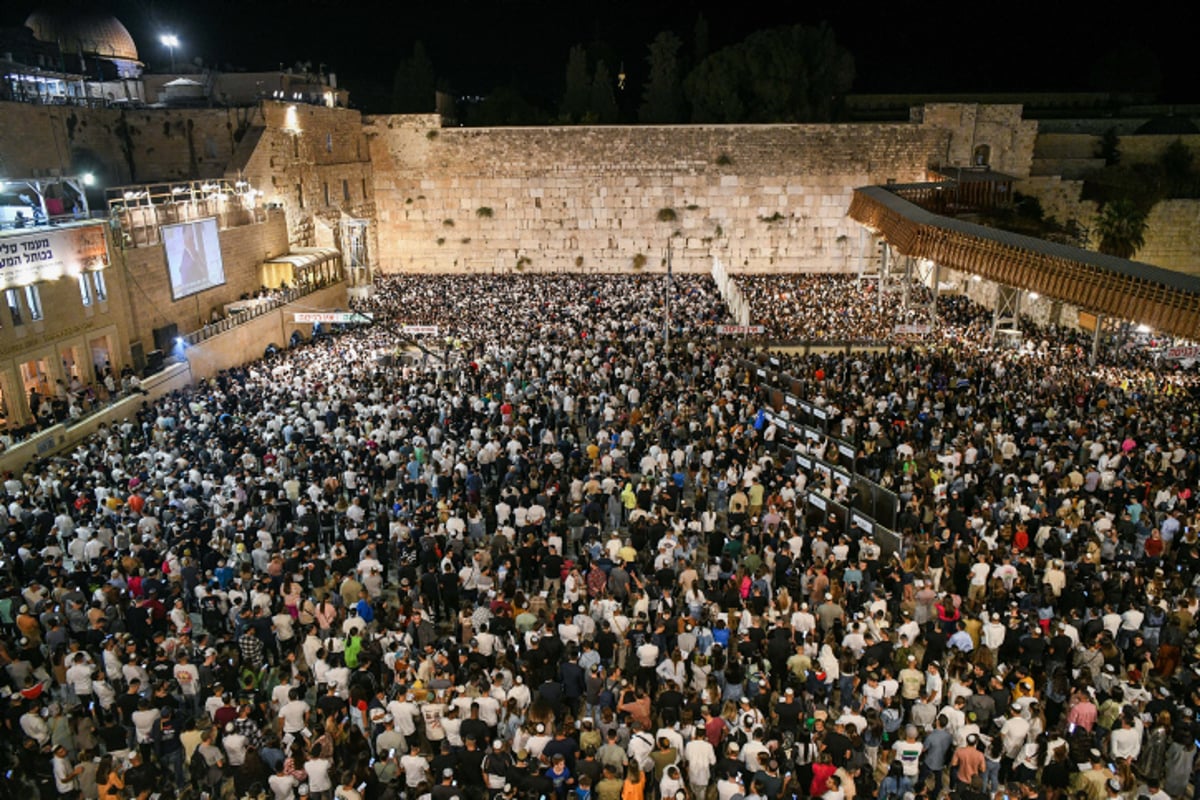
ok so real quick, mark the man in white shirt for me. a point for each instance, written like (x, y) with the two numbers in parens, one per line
(647, 656)
(234, 744)
(1014, 732)
(293, 715)
(143, 722)
(65, 773)
(282, 784)
(980, 571)
(319, 782)
(188, 678)
(405, 714)
(992, 634)
(701, 758)
(1125, 741)
(79, 678)
(415, 768)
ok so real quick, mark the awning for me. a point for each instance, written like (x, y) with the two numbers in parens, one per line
(305, 257)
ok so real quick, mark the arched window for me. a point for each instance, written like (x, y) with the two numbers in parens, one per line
(983, 155)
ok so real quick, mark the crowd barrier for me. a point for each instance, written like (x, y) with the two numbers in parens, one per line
(871, 508)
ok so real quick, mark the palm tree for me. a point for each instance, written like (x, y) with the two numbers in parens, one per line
(1121, 226)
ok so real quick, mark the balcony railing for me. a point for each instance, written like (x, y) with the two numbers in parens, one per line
(139, 212)
(256, 307)
(57, 220)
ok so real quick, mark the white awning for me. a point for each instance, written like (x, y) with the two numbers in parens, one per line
(303, 257)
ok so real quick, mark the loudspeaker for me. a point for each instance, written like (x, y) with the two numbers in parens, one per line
(164, 337)
(154, 362)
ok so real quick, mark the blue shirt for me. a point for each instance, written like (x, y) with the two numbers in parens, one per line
(961, 640)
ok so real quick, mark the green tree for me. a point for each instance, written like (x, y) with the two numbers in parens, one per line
(602, 107)
(1177, 158)
(413, 86)
(788, 74)
(662, 99)
(1178, 163)
(1109, 148)
(578, 92)
(1121, 226)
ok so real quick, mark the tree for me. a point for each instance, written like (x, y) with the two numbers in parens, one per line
(1109, 148)
(578, 92)
(662, 99)
(413, 87)
(788, 74)
(1121, 226)
(602, 107)
(1177, 164)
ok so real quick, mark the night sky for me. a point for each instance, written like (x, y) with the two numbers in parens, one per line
(474, 46)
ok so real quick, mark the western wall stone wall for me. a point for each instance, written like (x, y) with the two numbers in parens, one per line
(761, 198)
(1173, 236)
(121, 146)
(314, 163)
(994, 132)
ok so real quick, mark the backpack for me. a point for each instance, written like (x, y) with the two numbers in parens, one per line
(197, 768)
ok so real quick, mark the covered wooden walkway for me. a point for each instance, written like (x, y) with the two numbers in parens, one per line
(1166, 301)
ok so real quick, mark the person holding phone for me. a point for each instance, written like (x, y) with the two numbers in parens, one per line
(346, 789)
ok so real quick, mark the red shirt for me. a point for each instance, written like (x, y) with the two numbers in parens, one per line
(714, 731)
(821, 773)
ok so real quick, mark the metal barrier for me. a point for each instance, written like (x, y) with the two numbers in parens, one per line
(873, 507)
(280, 298)
(838, 516)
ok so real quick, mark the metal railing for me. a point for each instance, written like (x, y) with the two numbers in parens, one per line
(56, 220)
(139, 212)
(264, 305)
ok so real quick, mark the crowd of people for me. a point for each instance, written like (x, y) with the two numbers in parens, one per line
(830, 308)
(546, 556)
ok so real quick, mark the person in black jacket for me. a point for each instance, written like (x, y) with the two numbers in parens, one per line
(574, 681)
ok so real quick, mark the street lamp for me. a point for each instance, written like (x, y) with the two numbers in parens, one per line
(171, 41)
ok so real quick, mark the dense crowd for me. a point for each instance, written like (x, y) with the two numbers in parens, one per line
(833, 308)
(547, 557)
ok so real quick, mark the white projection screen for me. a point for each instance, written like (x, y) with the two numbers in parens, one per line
(193, 257)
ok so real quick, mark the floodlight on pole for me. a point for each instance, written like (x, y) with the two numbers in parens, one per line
(171, 41)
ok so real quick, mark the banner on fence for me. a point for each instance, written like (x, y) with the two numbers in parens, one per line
(334, 317)
(1182, 353)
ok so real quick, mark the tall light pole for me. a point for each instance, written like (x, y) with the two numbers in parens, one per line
(171, 41)
(667, 307)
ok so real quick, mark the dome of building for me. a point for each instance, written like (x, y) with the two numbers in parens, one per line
(78, 30)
